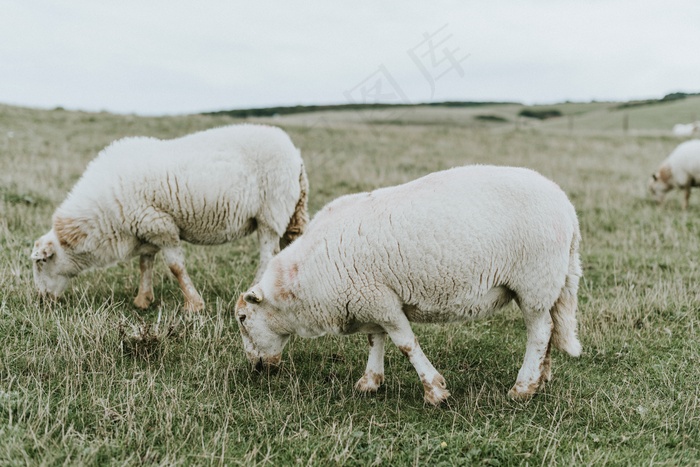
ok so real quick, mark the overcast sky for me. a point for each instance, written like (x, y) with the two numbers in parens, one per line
(180, 56)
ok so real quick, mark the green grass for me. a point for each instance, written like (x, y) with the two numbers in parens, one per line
(92, 380)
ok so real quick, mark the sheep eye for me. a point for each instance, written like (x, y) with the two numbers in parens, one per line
(241, 318)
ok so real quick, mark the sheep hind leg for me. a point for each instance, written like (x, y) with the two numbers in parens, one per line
(269, 247)
(434, 384)
(176, 262)
(374, 372)
(536, 367)
(145, 296)
(546, 367)
(686, 196)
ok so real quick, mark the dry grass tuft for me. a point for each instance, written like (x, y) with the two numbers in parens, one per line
(145, 339)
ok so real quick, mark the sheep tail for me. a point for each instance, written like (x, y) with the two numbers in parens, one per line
(564, 310)
(300, 217)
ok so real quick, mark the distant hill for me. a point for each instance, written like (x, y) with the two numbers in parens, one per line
(510, 111)
(674, 96)
(272, 111)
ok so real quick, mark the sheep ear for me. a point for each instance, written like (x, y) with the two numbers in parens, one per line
(253, 296)
(664, 174)
(42, 252)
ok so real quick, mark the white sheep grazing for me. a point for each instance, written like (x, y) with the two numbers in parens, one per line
(683, 129)
(681, 169)
(144, 195)
(454, 245)
(686, 129)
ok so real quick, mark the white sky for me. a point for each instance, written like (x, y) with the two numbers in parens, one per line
(181, 56)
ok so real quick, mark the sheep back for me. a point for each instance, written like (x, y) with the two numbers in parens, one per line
(209, 187)
(453, 245)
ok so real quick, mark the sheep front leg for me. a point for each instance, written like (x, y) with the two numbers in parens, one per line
(433, 383)
(269, 247)
(374, 372)
(145, 296)
(176, 262)
(536, 367)
(686, 197)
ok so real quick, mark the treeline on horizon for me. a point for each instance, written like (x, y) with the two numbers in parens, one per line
(271, 111)
(287, 110)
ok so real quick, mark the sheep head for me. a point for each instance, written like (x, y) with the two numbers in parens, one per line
(52, 268)
(660, 183)
(263, 339)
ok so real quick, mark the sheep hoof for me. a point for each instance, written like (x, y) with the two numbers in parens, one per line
(436, 391)
(143, 301)
(521, 392)
(369, 382)
(437, 396)
(194, 307)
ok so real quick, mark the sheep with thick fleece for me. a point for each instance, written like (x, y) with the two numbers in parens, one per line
(681, 169)
(143, 195)
(454, 245)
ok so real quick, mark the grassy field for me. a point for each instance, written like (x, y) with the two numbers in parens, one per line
(92, 380)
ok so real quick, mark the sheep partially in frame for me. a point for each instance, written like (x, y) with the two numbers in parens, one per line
(681, 170)
(143, 195)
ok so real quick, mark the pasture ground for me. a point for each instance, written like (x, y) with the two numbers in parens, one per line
(92, 380)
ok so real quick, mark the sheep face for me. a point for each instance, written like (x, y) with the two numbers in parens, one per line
(658, 186)
(261, 329)
(52, 267)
